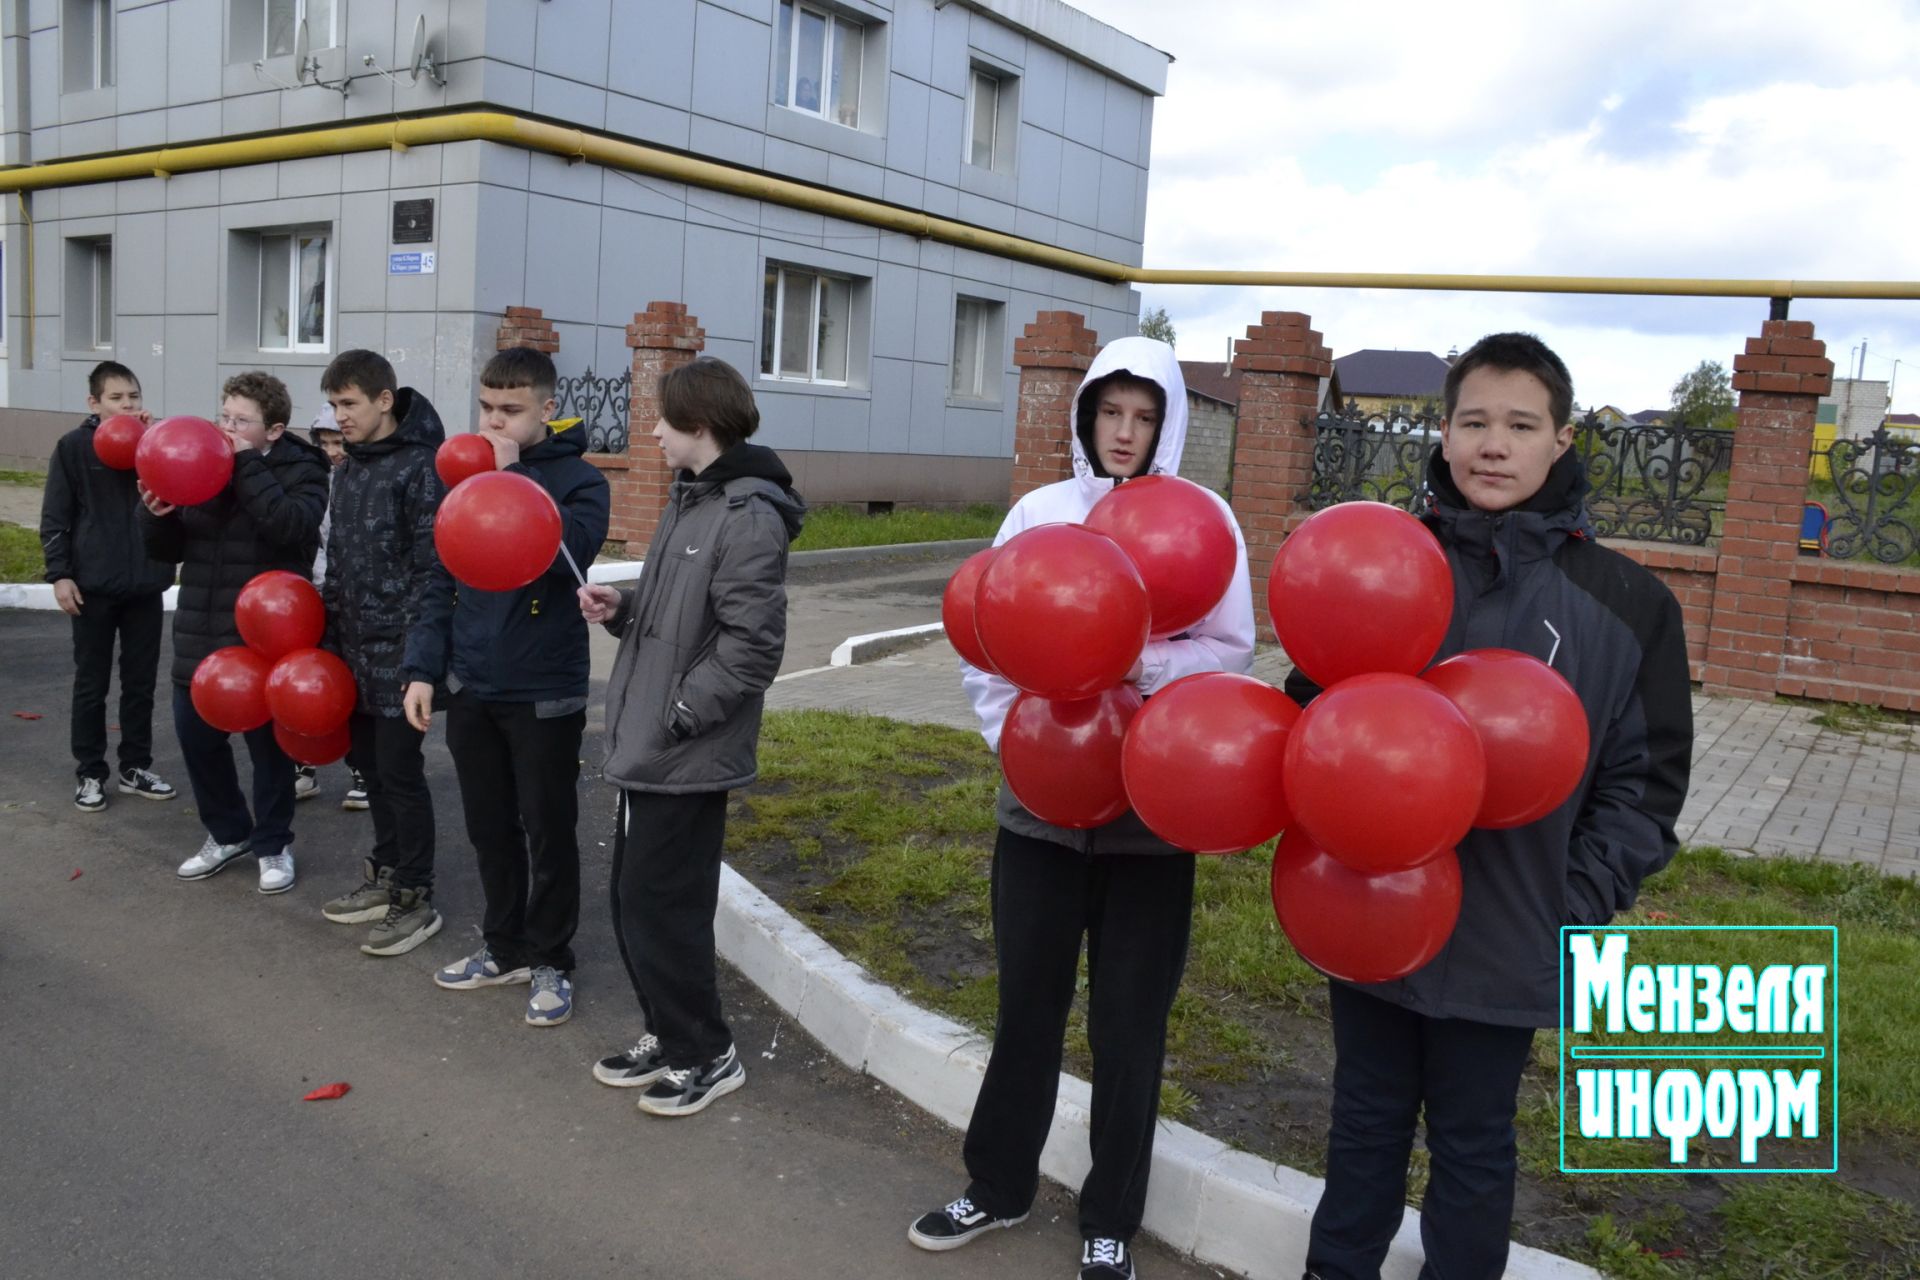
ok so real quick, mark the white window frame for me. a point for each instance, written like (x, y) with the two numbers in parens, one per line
(293, 236)
(100, 294)
(99, 16)
(302, 12)
(980, 76)
(783, 274)
(986, 353)
(786, 86)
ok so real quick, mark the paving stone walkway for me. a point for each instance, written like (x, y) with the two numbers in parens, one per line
(1766, 780)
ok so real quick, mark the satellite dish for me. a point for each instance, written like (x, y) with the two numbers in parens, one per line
(305, 66)
(420, 60)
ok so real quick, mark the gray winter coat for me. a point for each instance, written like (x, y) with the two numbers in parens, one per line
(702, 634)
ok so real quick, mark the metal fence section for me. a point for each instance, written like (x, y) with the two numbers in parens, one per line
(601, 403)
(1868, 488)
(1372, 457)
(1655, 483)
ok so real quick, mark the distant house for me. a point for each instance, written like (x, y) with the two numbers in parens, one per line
(1375, 381)
(1856, 406)
(1650, 417)
(1904, 425)
(1609, 416)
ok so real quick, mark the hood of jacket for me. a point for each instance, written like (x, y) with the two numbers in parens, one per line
(564, 439)
(748, 469)
(419, 425)
(1143, 358)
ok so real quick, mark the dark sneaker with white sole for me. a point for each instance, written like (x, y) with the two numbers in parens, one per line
(1104, 1258)
(90, 795)
(145, 784)
(640, 1065)
(305, 784)
(481, 969)
(356, 797)
(955, 1225)
(683, 1091)
(369, 902)
(410, 921)
(551, 1001)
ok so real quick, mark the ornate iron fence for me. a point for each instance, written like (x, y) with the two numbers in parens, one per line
(1869, 491)
(1655, 483)
(601, 403)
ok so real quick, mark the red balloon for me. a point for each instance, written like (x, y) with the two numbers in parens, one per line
(116, 440)
(229, 689)
(184, 461)
(462, 456)
(1203, 762)
(497, 531)
(311, 692)
(1532, 728)
(1384, 772)
(279, 612)
(1358, 926)
(1063, 758)
(302, 749)
(1360, 587)
(1062, 612)
(1180, 537)
(956, 608)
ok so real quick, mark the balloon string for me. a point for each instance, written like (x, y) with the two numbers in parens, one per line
(579, 577)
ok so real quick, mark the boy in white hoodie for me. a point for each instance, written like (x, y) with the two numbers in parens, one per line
(1126, 891)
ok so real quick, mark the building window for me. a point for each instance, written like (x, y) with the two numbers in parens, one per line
(983, 119)
(86, 32)
(295, 268)
(976, 349)
(806, 325)
(268, 28)
(817, 63)
(89, 289)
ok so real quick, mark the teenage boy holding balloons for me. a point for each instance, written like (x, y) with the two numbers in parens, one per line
(1126, 891)
(1452, 1038)
(266, 516)
(387, 603)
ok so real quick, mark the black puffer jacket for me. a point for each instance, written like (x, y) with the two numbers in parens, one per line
(90, 523)
(530, 645)
(1534, 580)
(268, 517)
(386, 604)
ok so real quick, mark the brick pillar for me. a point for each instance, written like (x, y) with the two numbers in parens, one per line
(527, 327)
(1780, 380)
(1282, 360)
(663, 337)
(1053, 355)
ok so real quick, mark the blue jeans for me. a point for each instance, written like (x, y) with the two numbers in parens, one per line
(268, 829)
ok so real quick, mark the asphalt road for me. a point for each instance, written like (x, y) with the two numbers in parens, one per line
(156, 1038)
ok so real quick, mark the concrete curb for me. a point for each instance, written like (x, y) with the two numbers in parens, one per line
(887, 551)
(39, 595)
(878, 644)
(1222, 1206)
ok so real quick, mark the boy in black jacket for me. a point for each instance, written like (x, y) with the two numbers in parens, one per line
(103, 578)
(387, 602)
(268, 517)
(1453, 1038)
(519, 706)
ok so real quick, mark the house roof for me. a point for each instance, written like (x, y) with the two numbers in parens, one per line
(1646, 416)
(1213, 380)
(1903, 419)
(1391, 373)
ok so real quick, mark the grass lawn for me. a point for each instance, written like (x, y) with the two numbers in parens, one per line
(878, 835)
(20, 556)
(34, 478)
(852, 527)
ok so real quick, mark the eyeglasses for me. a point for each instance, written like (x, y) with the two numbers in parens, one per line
(228, 420)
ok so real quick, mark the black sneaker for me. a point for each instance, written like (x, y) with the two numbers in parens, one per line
(640, 1065)
(1104, 1258)
(953, 1226)
(142, 783)
(683, 1091)
(356, 797)
(89, 796)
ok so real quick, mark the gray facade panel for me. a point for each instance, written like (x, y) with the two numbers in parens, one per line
(456, 214)
(314, 176)
(1043, 89)
(572, 41)
(147, 129)
(648, 121)
(359, 330)
(729, 143)
(141, 79)
(140, 343)
(841, 424)
(563, 245)
(569, 100)
(786, 420)
(193, 262)
(650, 50)
(140, 264)
(946, 136)
(725, 47)
(1120, 132)
(143, 195)
(500, 244)
(1117, 198)
(1079, 184)
(844, 173)
(900, 189)
(413, 347)
(927, 431)
(361, 279)
(997, 40)
(193, 122)
(911, 39)
(933, 319)
(724, 283)
(512, 28)
(907, 127)
(950, 40)
(191, 367)
(365, 171)
(791, 160)
(640, 262)
(888, 421)
(895, 305)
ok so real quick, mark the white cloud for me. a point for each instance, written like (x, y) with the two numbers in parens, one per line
(1638, 139)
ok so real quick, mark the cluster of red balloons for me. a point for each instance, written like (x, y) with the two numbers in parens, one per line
(279, 674)
(496, 530)
(116, 440)
(1063, 611)
(184, 460)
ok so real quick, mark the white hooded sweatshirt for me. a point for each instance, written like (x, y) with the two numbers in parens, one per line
(1221, 641)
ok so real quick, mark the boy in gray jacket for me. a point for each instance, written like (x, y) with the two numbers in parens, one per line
(701, 637)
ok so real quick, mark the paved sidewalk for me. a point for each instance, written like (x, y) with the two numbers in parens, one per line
(1766, 779)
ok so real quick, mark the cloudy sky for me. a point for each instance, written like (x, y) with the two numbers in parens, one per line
(1692, 138)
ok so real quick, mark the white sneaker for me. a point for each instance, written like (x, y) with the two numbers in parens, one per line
(211, 860)
(305, 785)
(276, 871)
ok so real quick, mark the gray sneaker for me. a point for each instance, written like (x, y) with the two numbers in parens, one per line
(369, 902)
(211, 860)
(410, 920)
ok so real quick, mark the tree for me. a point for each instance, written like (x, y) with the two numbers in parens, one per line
(1155, 324)
(1704, 398)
